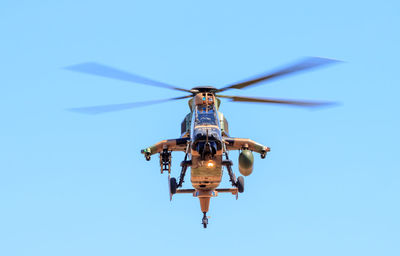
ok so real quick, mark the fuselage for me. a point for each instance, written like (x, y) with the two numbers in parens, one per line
(206, 135)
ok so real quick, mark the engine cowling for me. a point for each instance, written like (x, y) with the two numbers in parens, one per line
(246, 160)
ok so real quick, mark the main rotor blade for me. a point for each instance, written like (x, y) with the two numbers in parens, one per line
(305, 64)
(278, 101)
(110, 72)
(117, 107)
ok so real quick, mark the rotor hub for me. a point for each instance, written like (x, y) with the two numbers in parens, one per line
(203, 89)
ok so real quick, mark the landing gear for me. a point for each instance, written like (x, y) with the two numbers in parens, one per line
(228, 163)
(205, 220)
(185, 164)
(240, 184)
(172, 186)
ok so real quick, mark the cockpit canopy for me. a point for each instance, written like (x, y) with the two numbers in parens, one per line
(206, 131)
(205, 115)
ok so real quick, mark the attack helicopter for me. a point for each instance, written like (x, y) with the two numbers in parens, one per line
(205, 137)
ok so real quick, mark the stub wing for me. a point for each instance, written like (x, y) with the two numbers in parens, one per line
(238, 143)
(171, 145)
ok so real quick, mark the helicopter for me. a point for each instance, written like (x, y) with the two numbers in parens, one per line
(205, 137)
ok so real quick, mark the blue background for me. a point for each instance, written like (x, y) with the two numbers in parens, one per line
(73, 184)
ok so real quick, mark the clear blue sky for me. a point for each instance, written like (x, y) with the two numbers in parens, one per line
(73, 184)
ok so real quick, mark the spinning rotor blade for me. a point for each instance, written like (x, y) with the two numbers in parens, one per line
(277, 101)
(117, 107)
(105, 71)
(305, 64)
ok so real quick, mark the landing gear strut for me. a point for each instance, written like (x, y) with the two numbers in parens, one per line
(173, 184)
(185, 163)
(205, 220)
(239, 182)
(228, 163)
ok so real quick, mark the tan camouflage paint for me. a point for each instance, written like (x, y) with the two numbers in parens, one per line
(206, 179)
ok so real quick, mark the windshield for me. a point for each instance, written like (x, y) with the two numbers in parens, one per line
(205, 116)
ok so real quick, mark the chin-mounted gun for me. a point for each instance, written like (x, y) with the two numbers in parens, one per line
(206, 145)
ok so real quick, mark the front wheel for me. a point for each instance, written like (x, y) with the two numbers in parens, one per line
(240, 184)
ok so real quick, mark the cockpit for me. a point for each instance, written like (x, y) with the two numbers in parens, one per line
(205, 116)
(206, 131)
(205, 113)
